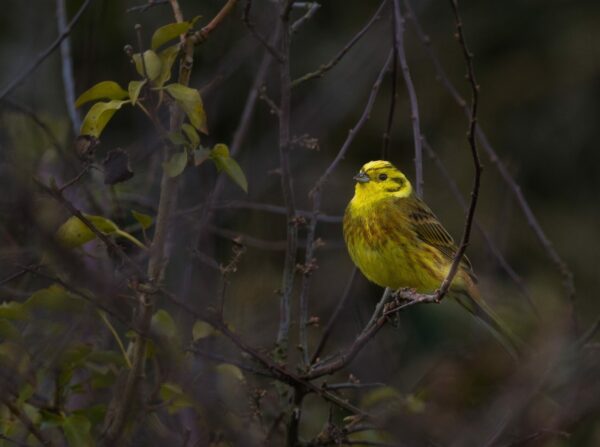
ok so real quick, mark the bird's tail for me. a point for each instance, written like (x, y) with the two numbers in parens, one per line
(473, 302)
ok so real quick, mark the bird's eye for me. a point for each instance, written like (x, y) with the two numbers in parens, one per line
(382, 176)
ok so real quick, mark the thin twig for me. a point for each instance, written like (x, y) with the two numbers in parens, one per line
(279, 372)
(474, 154)
(27, 422)
(24, 74)
(312, 8)
(309, 261)
(67, 67)
(256, 206)
(338, 57)
(334, 317)
(532, 221)
(110, 245)
(14, 441)
(412, 96)
(148, 5)
(352, 385)
(385, 149)
(351, 135)
(263, 41)
(494, 249)
(202, 35)
(222, 359)
(537, 435)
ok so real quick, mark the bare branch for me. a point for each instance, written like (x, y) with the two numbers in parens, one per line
(312, 8)
(412, 96)
(202, 35)
(287, 189)
(533, 222)
(494, 249)
(67, 67)
(338, 57)
(334, 317)
(47, 52)
(474, 153)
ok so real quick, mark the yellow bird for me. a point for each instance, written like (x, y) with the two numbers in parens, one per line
(396, 241)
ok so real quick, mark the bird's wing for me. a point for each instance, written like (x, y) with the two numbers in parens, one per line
(429, 229)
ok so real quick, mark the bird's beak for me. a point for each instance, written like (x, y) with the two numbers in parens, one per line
(361, 177)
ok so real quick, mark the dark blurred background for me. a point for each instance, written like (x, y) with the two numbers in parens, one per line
(538, 66)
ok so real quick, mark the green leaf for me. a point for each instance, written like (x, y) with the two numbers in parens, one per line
(201, 155)
(220, 155)
(176, 164)
(169, 32)
(177, 138)
(167, 59)
(153, 64)
(77, 430)
(201, 330)
(190, 101)
(144, 220)
(74, 356)
(227, 370)
(74, 233)
(134, 88)
(98, 117)
(8, 331)
(13, 311)
(176, 398)
(54, 298)
(191, 134)
(163, 323)
(102, 90)
(94, 413)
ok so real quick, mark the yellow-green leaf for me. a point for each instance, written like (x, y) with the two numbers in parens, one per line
(177, 138)
(77, 430)
(201, 330)
(169, 32)
(190, 101)
(54, 298)
(191, 134)
(175, 397)
(153, 64)
(74, 233)
(176, 164)
(102, 90)
(220, 155)
(134, 88)
(98, 117)
(144, 220)
(8, 331)
(167, 59)
(13, 311)
(231, 371)
(163, 323)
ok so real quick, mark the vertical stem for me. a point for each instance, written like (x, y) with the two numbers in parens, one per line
(67, 66)
(122, 402)
(286, 183)
(412, 96)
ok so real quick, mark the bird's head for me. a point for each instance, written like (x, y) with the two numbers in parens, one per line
(379, 179)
